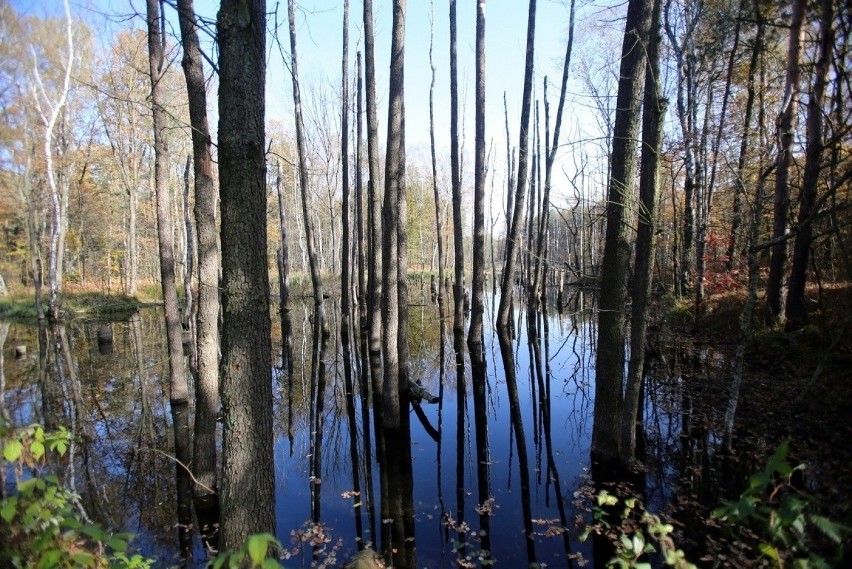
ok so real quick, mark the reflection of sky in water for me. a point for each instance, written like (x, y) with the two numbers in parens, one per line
(125, 413)
(570, 424)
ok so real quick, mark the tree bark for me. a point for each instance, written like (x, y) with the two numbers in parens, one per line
(551, 147)
(745, 324)
(732, 251)
(205, 489)
(609, 374)
(394, 284)
(248, 475)
(796, 313)
(521, 190)
(345, 278)
(49, 117)
(179, 387)
(686, 104)
(304, 180)
(478, 278)
(654, 109)
(786, 126)
(374, 275)
(455, 176)
(439, 226)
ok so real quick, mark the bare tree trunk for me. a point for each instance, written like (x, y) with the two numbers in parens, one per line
(179, 386)
(455, 175)
(374, 276)
(394, 278)
(510, 175)
(189, 262)
(283, 261)
(205, 489)
(521, 190)
(654, 109)
(133, 236)
(478, 278)
(359, 203)
(686, 93)
(786, 127)
(248, 475)
(27, 196)
(439, 226)
(310, 236)
(732, 251)
(796, 312)
(345, 277)
(753, 278)
(550, 151)
(609, 374)
(50, 112)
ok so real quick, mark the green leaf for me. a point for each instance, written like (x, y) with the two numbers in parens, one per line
(606, 499)
(50, 558)
(26, 486)
(117, 544)
(271, 564)
(769, 551)
(8, 509)
(83, 559)
(37, 448)
(13, 449)
(257, 546)
(642, 566)
(60, 447)
(829, 528)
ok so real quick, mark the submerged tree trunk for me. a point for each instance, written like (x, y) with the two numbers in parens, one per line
(609, 374)
(178, 384)
(521, 191)
(796, 312)
(205, 488)
(248, 475)
(394, 285)
(654, 109)
(786, 127)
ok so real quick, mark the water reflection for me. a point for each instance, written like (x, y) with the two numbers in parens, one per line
(489, 472)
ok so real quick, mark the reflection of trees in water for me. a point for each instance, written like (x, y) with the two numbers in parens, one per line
(520, 440)
(119, 407)
(114, 406)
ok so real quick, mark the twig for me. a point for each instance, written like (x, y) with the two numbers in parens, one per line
(182, 465)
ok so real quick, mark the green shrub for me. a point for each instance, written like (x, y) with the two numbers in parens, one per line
(634, 540)
(772, 512)
(42, 524)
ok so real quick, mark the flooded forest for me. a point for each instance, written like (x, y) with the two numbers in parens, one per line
(364, 285)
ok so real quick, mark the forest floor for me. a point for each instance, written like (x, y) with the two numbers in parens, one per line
(797, 387)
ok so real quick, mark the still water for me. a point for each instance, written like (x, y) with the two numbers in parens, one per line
(484, 472)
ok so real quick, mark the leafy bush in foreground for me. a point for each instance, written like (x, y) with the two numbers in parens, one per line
(43, 525)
